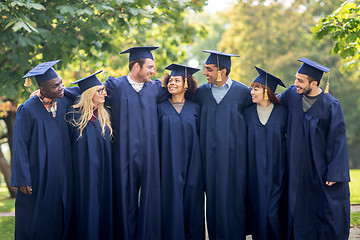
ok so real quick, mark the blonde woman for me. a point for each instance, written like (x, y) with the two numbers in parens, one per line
(91, 132)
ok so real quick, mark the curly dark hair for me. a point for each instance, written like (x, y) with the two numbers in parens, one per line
(272, 97)
(191, 81)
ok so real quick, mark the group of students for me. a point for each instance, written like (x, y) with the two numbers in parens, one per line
(275, 167)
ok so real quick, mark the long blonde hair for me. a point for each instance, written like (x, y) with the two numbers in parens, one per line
(86, 108)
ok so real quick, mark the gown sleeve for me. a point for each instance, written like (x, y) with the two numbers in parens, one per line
(21, 162)
(110, 87)
(336, 150)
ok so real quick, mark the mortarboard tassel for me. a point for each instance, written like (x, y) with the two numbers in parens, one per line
(186, 84)
(155, 74)
(327, 85)
(185, 81)
(27, 82)
(266, 96)
(218, 66)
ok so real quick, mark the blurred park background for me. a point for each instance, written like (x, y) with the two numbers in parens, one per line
(88, 35)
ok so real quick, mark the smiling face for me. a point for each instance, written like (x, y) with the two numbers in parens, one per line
(257, 94)
(53, 88)
(143, 73)
(176, 85)
(303, 86)
(99, 96)
(211, 73)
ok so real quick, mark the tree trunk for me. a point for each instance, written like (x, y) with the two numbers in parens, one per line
(6, 170)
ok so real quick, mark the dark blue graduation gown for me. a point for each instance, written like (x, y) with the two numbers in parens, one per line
(136, 163)
(317, 152)
(91, 156)
(42, 160)
(266, 170)
(223, 143)
(182, 187)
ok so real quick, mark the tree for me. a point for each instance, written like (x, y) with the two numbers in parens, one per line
(86, 35)
(343, 27)
(273, 36)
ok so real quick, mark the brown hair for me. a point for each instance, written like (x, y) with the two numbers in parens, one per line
(272, 97)
(191, 81)
(140, 61)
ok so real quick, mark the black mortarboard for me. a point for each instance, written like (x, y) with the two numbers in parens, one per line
(180, 70)
(267, 79)
(219, 58)
(88, 82)
(43, 72)
(139, 53)
(312, 69)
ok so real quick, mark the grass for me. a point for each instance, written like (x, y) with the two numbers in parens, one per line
(355, 186)
(7, 228)
(7, 224)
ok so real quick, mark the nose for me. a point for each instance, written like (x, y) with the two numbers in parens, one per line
(205, 72)
(296, 83)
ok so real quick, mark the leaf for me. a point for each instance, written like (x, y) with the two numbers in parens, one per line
(36, 6)
(64, 9)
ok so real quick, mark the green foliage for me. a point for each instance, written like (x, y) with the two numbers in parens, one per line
(343, 27)
(7, 228)
(84, 33)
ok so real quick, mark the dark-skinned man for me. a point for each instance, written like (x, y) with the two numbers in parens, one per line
(41, 166)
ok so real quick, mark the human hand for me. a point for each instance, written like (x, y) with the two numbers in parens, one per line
(27, 190)
(330, 183)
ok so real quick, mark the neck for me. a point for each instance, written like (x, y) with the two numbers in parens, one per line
(44, 96)
(178, 98)
(134, 77)
(314, 92)
(264, 103)
(222, 82)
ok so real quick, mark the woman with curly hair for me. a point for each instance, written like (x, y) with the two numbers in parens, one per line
(91, 131)
(266, 123)
(182, 187)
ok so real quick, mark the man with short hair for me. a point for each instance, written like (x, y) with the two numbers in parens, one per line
(318, 166)
(136, 164)
(41, 166)
(223, 142)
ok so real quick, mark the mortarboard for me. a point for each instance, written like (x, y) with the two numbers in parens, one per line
(88, 82)
(180, 70)
(139, 53)
(42, 72)
(313, 69)
(267, 79)
(219, 59)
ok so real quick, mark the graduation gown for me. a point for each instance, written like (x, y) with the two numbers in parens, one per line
(42, 160)
(317, 152)
(136, 163)
(266, 170)
(182, 187)
(223, 143)
(91, 156)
